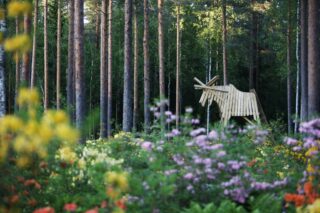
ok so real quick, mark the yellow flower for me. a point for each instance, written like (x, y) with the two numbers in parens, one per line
(20, 144)
(23, 161)
(3, 150)
(18, 43)
(31, 128)
(28, 97)
(315, 207)
(45, 133)
(17, 8)
(81, 164)
(117, 180)
(66, 154)
(60, 117)
(67, 133)
(10, 123)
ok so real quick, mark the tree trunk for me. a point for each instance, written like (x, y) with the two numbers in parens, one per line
(79, 63)
(178, 67)
(224, 43)
(25, 76)
(208, 76)
(289, 107)
(96, 4)
(298, 34)
(70, 70)
(45, 29)
(304, 60)
(161, 60)
(135, 70)
(253, 50)
(109, 68)
(58, 53)
(313, 59)
(3, 29)
(34, 43)
(103, 72)
(146, 67)
(127, 90)
(17, 69)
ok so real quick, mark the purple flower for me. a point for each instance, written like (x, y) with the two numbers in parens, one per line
(189, 110)
(178, 159)
(190, 188)
(153, 109)
(157, 114)
(296, 148)
(221, 165)
(207, 162)
(173, 117)
(170, 172)
(196, 132)
(221, 154)
(188, 176)
(147, 146)
(309, 142)
(291, 141)
(175, 132)
(168, 113)
(213, 135)
(195, 121)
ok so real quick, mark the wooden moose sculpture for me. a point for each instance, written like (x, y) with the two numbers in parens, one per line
(230, 100)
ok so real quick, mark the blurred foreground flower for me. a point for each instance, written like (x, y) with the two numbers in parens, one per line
(19, 43)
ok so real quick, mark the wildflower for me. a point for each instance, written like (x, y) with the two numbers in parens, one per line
(291, 141)
(94, 210)
(296, 148)
(117, 179)
(71, 207)
(195, 121)
(196, 132)
(17, 8)
(147, 146)
(18, 43)
(44, 210)
(189, 110)
(112, 193)
(10, 123)
(168, 113)
(23, 161)
(221, 154)
(315, 207)
(67, 133)
(66, 154)
(294, 198)
(188, 176)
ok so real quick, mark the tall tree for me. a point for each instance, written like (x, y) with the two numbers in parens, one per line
(224, 43)
(25, 75)
(135, 69)
(34, 43)
(46, 68)
(3, 29)
(79, 62)
(253, 49)
(58, 54)
(17, 70)
(103, 72)
(178, 66)
(109, 68)
(304, 59)
(127, 89)
(97, 22)
(161, 59)
(313, 58)
(298, 35)
(289, 84)
(70, 69)
(146, 65)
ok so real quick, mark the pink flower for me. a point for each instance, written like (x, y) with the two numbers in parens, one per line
(146, 146)
(71, 207)
(44, 210)
(94, 210)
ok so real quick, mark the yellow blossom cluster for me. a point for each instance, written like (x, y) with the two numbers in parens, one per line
(19, 43)
(67, 154)
(30, 135)
(19, 8)
(311, 208)
(117, 183)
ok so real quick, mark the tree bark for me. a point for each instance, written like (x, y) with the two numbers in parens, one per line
(109, 68)
(146, 67)
(161, 60)
(46, 68)
(58, 53)
(135, 70)
(224, 43)
(3, 29)
(34, 44)
(17, 69)
(298, 35)
(313, 59)
(178, 67)
(103, 72)
(289, 86)
(304, 60)
(127, 90)
(79, 63)
(96, 4)
(253, 50)
(70, 69)
(25, 76)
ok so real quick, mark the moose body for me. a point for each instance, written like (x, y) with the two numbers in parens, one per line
(230, 100)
